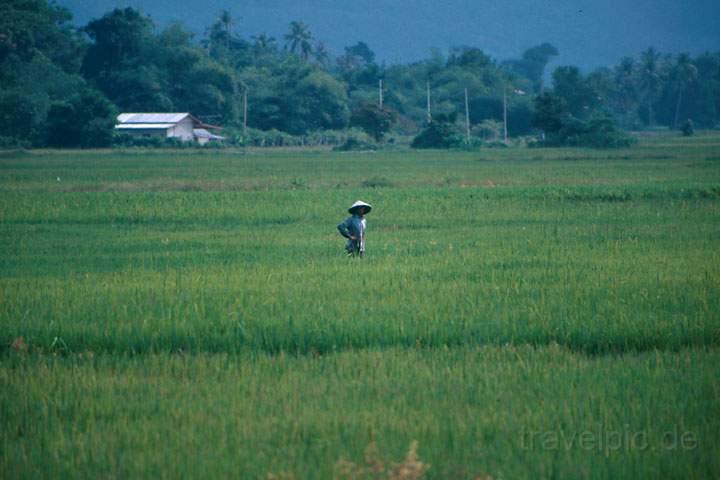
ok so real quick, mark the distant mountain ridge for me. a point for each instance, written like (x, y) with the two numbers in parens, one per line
(587, 33)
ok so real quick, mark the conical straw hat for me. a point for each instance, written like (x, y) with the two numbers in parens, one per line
(359, 204)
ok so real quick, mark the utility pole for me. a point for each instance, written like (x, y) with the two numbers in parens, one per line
(467, 118)
(505, 112)
(245, 111)
(429, 115)
(380, 97)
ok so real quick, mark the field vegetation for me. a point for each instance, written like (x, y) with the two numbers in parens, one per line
(520, 313)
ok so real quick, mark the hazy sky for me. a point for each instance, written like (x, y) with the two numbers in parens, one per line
(587, 33)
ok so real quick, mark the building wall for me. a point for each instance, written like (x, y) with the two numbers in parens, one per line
(149, 132)
(183, 130)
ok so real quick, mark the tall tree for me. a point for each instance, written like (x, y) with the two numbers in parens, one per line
(314, 100)
(84, 120)
(321, 54)
(36, 27)
(683, 73)
(119, 37)
(575, 90)
(626, 90)
(299, 39)
(550, 110)
(362, 52)
(224, 45)
(703, 96)
(118, 63)
(375, 121)
(533, 63)
(650, 80)
(227, 22)
(22, 117)
(468, 57)
(40, 54)
(264, 43)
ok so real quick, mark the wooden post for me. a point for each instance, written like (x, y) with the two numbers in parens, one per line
(245, 111)
(429, 114)
(467, 118)
(380, 97)
(505, 136)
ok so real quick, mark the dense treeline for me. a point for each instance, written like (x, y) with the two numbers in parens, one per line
(62, 86)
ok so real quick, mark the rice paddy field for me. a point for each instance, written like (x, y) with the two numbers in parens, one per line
(520, 313)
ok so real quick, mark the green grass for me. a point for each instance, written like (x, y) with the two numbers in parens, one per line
(509, 412)
(504, 291)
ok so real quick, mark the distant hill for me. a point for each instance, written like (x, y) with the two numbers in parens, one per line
(588, 33)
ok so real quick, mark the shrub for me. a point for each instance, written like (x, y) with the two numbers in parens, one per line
(599, 131)
(438, 135)
(489, 130)
(562, 128)
(688, 129)
(85, 120)
(14, 142)
(375, 121)
(21, 119)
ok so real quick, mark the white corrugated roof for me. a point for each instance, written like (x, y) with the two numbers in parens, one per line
(202, 133)
(173, 118)
(146, 126)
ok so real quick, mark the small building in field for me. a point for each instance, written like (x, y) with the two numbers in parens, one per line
(167, 125)
(202, 136)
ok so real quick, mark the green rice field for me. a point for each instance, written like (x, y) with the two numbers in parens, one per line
(519, 313)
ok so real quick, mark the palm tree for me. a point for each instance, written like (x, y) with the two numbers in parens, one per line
(650, 79)
(226, 21)
(626, 81)
(321, 54)
(263, 42)
(298, 40)
(684, 72)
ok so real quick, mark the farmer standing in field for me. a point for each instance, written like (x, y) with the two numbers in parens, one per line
(353, 228)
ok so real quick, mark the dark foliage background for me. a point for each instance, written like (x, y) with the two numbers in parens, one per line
(62, 86)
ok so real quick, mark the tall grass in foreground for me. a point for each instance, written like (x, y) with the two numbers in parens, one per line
(502, 412)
